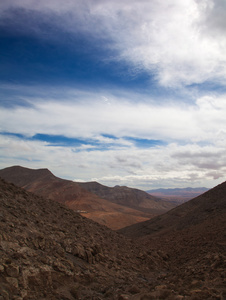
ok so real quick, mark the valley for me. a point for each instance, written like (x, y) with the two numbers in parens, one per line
(49, 251)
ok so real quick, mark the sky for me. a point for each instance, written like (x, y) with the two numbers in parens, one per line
(120, 92)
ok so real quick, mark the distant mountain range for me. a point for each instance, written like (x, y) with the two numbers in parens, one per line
(114, 207)
(177, 195)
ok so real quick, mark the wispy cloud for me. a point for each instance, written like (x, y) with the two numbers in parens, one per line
(202, 121)
(144, 144)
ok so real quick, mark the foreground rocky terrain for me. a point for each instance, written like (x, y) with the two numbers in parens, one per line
(48, 251)
(114, 207)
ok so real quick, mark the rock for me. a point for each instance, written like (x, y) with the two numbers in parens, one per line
(134, 290)
(123, 297)
(12, 270)
(178, 297)
(2, 268)
(13, 282)
(89, 257)
(79, 251)
(4, 295)
(223, 295)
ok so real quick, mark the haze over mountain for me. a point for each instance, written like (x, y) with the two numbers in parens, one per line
(178, 195)
(121, 207)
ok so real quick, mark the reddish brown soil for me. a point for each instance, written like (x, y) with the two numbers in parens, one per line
(111, 211)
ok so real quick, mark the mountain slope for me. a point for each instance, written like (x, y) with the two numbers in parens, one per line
(42, 182)
(48, 251)
(193, 237)
(129, 197)
(210, 204)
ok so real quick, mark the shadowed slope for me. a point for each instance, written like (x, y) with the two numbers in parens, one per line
(210, 204)
(193, 236)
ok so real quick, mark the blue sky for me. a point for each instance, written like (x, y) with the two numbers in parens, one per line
(123, 92)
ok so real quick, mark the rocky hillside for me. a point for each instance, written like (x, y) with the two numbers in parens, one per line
(113, 212)
(48, 251)
(211, 204)
(194, 237)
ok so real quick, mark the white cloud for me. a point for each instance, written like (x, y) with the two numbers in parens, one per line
(203, 122)
(179, 42)
(169, 166)
(195, 153)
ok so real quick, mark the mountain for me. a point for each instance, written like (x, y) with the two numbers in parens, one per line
(210, 204)
(48, 251)
(193, 237)
(42, 182)
(129, 197)
(178, 195)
